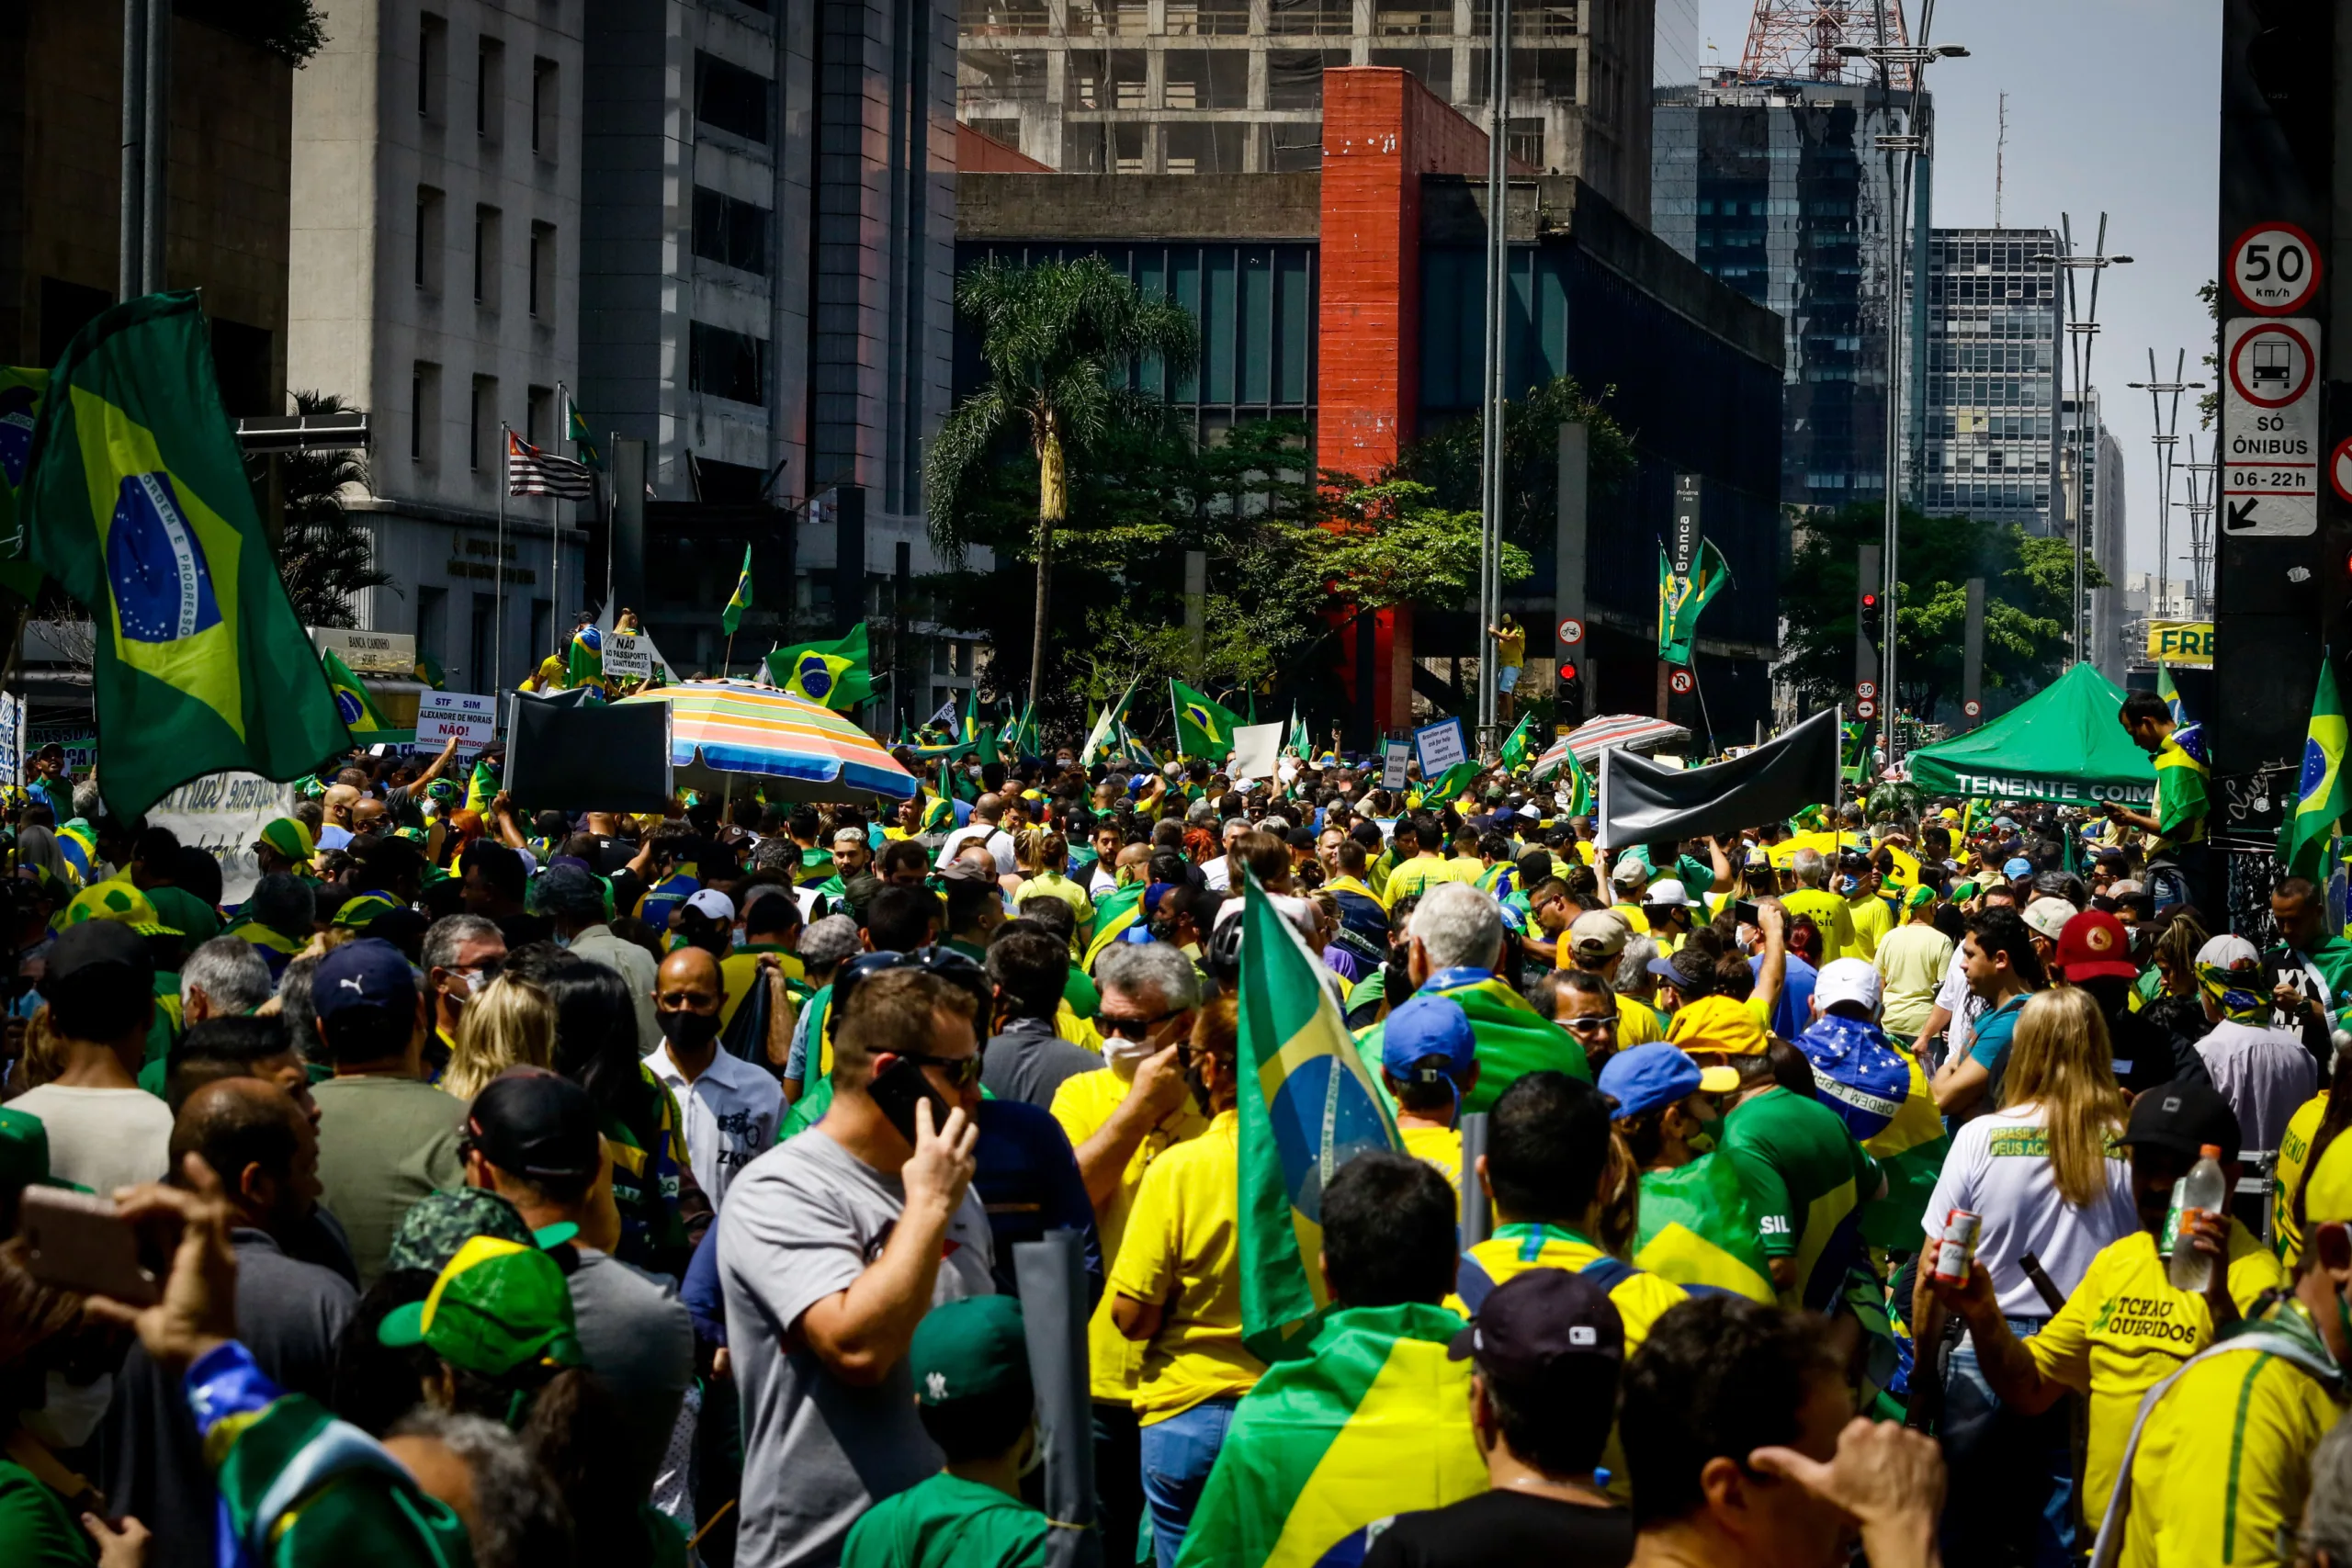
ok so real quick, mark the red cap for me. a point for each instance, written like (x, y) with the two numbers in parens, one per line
(2094, 943)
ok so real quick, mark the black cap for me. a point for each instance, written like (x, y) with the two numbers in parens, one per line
(1532, 1323)
(2184, 1117)
(536, 1124)
(95, 948)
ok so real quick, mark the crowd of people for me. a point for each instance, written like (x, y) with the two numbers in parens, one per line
(522, 1187)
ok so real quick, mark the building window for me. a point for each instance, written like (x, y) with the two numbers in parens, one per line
(482, 425)
(731, 99)
(432, 621)
(539, 411)
(432, 64)
(424, 413)
(542, 630)
(731, 232)
(722, 364)
(542, 269)
(490, 88)
(543, 107)
(431, 240)
(486, 257)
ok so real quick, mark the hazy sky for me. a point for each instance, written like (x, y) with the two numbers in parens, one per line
(2113, 105)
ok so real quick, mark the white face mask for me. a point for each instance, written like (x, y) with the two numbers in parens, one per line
(1125, 1054)
(71, 1415)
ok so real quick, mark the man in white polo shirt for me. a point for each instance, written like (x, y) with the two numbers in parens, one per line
(731, 1105)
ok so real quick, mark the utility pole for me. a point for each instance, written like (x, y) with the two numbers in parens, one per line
(143, 230)
(1491, 457)
(2168, 426)
(2079, 338)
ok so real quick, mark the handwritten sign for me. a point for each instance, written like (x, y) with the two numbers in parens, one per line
(440, 715)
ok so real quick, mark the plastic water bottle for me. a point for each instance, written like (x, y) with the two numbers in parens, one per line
(2201, 1191)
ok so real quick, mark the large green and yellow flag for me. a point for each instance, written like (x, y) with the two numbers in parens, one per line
(1698, 1230)
(1203, 727)
(741, 600)
(831, 674)
(1516, 743)
(1681, 599)
(1373, 1420)
(2321, 795)
(138, 504)
(1450, 784)
(1114, 913)
(1910, 1150)
(1307, 1107)
(1513, 1038)
(351, 703)
(21, 393)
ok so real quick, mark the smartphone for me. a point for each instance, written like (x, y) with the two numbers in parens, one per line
(1743, 911)
(897, 1089)
(80, 1243)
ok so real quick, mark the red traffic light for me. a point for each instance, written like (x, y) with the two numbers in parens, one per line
(1870, 601)
(1567, 670)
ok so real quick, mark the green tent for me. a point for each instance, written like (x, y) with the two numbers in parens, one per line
(2064, 744)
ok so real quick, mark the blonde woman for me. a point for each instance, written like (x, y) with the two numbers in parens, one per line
(2045, 1178)
(509, 1023)
(1043, 855)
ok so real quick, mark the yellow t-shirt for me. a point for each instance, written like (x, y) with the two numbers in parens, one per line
(1181, 1248)
(2126, 1329)
(2224, 1462)
(739, 971)
(1637, 1024)
(2295, 1153)
(1440, 1146)
(1872, 919)
(1415, 876)
(1511, 647)
(1829, 913)
(1054, 885)
(1465, 869)
(1082, 1105)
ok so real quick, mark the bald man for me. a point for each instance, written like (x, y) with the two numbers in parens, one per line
(337, 828)
(731, 1106)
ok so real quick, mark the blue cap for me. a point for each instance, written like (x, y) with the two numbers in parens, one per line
(1647, 1077)
(370, 971)
(2018, 867)
(1428, 1026)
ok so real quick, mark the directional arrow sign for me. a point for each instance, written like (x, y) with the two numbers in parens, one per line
(2270, 427)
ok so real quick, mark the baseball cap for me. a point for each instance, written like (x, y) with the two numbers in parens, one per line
(711, 902)
(536, 1124)
(1717, 1023)
(1629, 871)
(1847, 980)
(369, 972)
(2016, 868)
(1669, 891)
(969, 1349)
(1963, 891)
(1647, 1077)
(1597, 933)
(497, 1305)
(1685, 969)
(116, 900)
(2128, 887)
(1428, 1026)
(2183, 1117)
(2094, 944)
(437, 1224)
(2048, 917)
(2229, 953)
(829, 941)
(1532, 1322)
(291, 838)
(95, 948)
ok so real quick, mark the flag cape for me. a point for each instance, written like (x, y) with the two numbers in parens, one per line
(1374, 1420)
(21, 392)
(1105, 726)
(585, 660)
(1450, 784)
(1882, 1095)
(140, 506)
(1515, 745)
(1681, 599)
(1699, 1230)
(1513, 1038)
(1308, 1106)
(481, 787)
(1203, 727)
(741, 600)
(352, 704)
(831, 674)
(1114, 912)
(2321, 797)
(939, 811)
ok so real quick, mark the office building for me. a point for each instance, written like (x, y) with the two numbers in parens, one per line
(1235, 86)
(1985, 436)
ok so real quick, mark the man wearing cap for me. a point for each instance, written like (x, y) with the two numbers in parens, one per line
(1593, 943)
(1669, 911)
(2094, 954)
(571, 896)
(1429, 1061)
(2265, 1073)
(386, 1137)
(1831, 915)
(104, 1130)
(2126, 1328)
(1545, 1350)
(1697, 1225)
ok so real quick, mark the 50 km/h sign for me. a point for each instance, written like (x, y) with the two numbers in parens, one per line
(2274, 268)
(2270, 427)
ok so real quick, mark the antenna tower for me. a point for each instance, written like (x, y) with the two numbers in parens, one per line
(1799, 40)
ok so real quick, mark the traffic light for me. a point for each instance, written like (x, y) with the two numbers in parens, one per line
(1570, 694)
(1870, 614)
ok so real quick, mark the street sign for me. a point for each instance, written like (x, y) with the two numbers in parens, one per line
(1866, 709)
(2274, 268)
(1971, 708)
(2339, 467)
(1680, 684)
(1866, 689)
(1571, 631)
(2270, 427)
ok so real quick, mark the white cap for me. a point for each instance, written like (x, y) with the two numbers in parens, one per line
(2048, 917)
(2228, 953)
(710, 901)
(1846, 980)
(1669, 892)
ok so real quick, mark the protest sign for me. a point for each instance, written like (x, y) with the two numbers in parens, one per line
(1399, 756)
(223, 814)
(1441, 745)
(629, 658)
(440, 715)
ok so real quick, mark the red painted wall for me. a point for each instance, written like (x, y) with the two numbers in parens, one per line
(978, 153)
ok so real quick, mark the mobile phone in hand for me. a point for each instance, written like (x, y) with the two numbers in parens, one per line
(79, 1242)
(897, 1087)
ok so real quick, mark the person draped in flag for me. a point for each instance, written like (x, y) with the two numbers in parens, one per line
(1697, 1226)
(2175, 828)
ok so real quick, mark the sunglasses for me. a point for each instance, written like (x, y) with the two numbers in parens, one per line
(1135, 1028)
(962, 1071)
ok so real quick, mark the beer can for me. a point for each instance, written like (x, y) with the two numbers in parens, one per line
(1957, 1250)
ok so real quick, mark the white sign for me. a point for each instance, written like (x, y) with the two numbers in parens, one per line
(222, 814)
(1866, 709)
(369, 653)
(630, 658)
(1441, 746)
(1571, 631)
(439, 714)
(1255, 748)
(1396, 756)
(2270, 427)
(12, 739)
(2274, 268)
(1866, 689)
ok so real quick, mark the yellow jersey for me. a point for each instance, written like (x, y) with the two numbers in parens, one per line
(1440, 1146)
(1182, 1250)
(2294, 1158)
(1872, 918)
(1830, 914)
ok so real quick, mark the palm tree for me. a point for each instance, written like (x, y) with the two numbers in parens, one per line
(323, 557)
(1057, 342)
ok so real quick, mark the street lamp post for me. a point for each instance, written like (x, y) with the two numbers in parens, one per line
(1490, 474)
(2167, 435)
(2080, 338)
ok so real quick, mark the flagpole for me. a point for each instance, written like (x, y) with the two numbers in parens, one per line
(498, 575)
(555, 528)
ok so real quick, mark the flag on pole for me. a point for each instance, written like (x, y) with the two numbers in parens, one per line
(530, 471)
(833, 675)
(578, 432)
(2171, 694)
(1020, 737)
(1450, 784)
(741, 600)
(939, 812)
(1106, 727)
(1515, 744)
(1204, 728)
(351, 703)
(2321, 794)
(139, 505)
(1583, 799)
(1299, 745)
(1308, 1105)
(1681, 599)
(977, 735)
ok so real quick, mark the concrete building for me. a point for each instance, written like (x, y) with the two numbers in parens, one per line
(1992, 335)
(436, 178)
(1235, 86)
(1778, 189)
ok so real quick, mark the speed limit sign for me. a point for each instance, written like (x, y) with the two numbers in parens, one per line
(1866, 709)
(2274, 268)
(1866, 690)
(1681, 682)
(1971, 708)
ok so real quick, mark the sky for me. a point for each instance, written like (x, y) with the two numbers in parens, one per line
(2114, 105)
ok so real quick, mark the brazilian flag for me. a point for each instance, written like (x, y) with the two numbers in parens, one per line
(1204, 728)
(2321, 796)
(1699, 1230)
(1583, 798)
(1513, 1038)
(1373, 1420)
(351, 703)
(579, 441)
(1114, 912)
(21, 391)
(584, 660)
(1515, 744)
(831, 674)
(1681, 599)
(939, 811)
(1450, 784)
(977, 733)
(141, 509)
(741, 600)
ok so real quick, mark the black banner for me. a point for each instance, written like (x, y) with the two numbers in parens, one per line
(1644, 802)
(614, 758)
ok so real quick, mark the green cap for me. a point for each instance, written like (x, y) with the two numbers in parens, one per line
(291, 838)
(968, 1348)
(497, 1306)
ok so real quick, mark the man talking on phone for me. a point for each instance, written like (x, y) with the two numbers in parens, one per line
(831, 1247)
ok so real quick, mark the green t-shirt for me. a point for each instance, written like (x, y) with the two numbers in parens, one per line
(36, 1526)
(947, 1522)
(196, 920)
(1807, 1179)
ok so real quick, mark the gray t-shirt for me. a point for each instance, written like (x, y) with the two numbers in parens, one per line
(1029, 1061)
(640, 1345)
(801, 1223)
(383, 1144)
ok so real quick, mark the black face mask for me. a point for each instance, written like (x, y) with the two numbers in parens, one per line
(688, 1030)
(1200, 1088)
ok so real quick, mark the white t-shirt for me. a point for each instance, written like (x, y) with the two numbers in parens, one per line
(998, 842)
(1965, 1005)
(730, 1114)
(1217, 876)
(1999, 1170)
(102, 1138)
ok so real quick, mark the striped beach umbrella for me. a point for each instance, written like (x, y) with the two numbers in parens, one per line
(723, 731)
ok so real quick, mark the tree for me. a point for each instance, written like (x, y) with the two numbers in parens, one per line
(2028, 584)
(1053, 339)
(1447, 460)
(323, 557)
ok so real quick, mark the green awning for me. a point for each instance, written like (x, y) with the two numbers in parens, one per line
(2064, 744)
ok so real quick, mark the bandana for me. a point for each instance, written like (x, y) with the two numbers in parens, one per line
(2237, 1004)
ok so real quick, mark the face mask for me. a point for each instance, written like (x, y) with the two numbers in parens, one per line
(1702, 1142)
(1200, 1088)
(1124, 1055)
(1847, 884)
(688, 1030)
(72, 1413)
